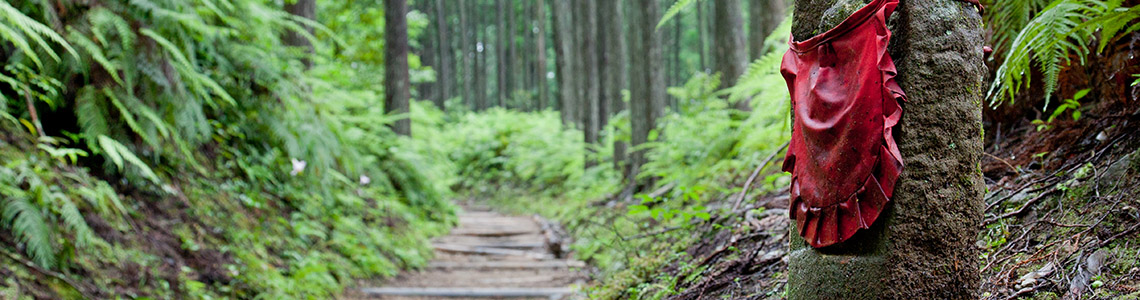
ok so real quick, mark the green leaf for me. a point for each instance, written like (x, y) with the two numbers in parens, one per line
(673, 10)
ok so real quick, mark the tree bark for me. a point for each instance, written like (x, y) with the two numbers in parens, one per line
(501, 66)
(763, 17)
(446, 75)
(467, 50)
(647, 81)
(611, 35)
(587, 47)
(924, 246)
(481, 44)
(730, 52)
(701, 35)
(564, 62)
(512, 55)
(305, 9)
(540, 56)
(396, 84)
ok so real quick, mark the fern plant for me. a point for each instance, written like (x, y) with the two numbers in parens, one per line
(1063, 29)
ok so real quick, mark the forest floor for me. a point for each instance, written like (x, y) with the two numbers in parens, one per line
(489, 255)
(1062, 222)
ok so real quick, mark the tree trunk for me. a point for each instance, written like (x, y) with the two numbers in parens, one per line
(923, 247)
(305, 9)
(540, 56)
(646, 79)
(467, 50)
(589, 61)
(729, 51)
(445, 73)
(481, 52)
(512, 55)
(701, 35)
(396, 93)
(564, 62)
(611, 35)
(763, 17)
(500, 52)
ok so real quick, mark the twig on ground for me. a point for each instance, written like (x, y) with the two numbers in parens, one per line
(756, 172)
(56, 275)
(1006, 162)
(1022, 209)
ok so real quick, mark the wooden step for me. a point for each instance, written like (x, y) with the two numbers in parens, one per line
(468, 292)
(549, 264)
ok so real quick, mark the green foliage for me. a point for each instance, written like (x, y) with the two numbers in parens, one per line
(1063, 29)
(1073, 104)
(675, 9)
(201, 103)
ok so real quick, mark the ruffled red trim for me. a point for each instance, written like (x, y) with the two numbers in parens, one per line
(849, 179)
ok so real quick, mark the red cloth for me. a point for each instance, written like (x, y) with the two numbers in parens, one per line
(843, 158)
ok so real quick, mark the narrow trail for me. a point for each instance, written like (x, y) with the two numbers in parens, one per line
(490, 255)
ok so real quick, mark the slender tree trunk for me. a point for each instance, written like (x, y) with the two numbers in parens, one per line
(924, 246)
(730, 53)
(611, 35)
(540, 55)
(564, 61)
(589, 61)
(678, 77)
(701, 35)
(444, 48)
(467, 50)
(646, 79)
(481, 67)
(512, 57)
(305, 9)
(763, 17)
(500, 52)
(396, 93)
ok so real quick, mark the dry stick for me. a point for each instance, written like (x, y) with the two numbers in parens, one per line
(1006, 162)
(751, 178)
(1022, 209)
(1118, 235)
(32, 111)
(1018, 190)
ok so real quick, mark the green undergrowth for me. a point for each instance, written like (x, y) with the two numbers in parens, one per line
(170, 149)
(699, 156)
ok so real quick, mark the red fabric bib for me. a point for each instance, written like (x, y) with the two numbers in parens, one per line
(843, 158)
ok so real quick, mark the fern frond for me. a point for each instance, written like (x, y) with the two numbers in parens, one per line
(36, 31)
(96, 54)
(118, 153)
(28, 225)
(673, 10)
(1045, 41)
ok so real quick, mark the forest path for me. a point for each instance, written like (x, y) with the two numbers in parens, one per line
(490, 255)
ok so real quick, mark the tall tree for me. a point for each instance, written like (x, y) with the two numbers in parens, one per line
(611, 37)
(305, 9)
(467, 52)
(445, 74)
(501, 41)
(512, 56)
(396, 84)
(923, 247)
(481, 53)
(591, 103)
(763, 17)
(729, 51)
(564, 61)
(701, 35)
(540, 55)
(646, 78)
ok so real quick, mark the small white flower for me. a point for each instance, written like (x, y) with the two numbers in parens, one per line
(364, 180)
(1101, 136)
(298, 167)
